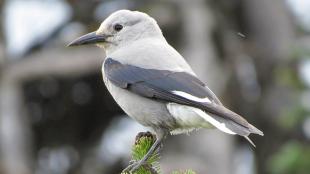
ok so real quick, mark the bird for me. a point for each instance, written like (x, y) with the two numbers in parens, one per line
(154, 84)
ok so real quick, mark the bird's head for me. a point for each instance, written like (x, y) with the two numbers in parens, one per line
(120, 28)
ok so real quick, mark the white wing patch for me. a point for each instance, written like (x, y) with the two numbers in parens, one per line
(189, 117)
(191, 97)
(215, 123)
(186, 118)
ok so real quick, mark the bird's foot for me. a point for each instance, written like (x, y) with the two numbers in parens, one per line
(133, 166)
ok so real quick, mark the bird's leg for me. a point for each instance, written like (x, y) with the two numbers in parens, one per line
(136, 165)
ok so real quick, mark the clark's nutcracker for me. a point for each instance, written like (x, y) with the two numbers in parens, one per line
(154, 84)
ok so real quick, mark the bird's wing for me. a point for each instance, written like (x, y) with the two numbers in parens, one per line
(176, 87)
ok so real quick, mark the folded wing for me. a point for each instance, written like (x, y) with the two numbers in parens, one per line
(176, 87)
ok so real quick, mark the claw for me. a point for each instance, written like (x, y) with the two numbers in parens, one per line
(135, 165)
(132, 161)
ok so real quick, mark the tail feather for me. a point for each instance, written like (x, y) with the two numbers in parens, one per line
(249, 140)
(229, 126)
(254, 130)
(186, 115)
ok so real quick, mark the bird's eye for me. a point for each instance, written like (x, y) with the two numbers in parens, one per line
(118, 27)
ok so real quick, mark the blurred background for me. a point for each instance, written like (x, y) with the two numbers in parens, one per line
(56, 116)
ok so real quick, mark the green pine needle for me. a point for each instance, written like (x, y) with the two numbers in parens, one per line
(144, 142)
(140, 149)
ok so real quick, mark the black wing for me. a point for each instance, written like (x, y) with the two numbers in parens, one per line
(160, 84)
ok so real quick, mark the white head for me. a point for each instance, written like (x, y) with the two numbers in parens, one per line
(120, 28)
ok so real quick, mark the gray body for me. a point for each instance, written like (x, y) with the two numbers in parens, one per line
(146, 111)
(151, 53)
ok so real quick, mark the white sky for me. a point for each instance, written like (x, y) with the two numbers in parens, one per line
(27, 21)
(301, 9)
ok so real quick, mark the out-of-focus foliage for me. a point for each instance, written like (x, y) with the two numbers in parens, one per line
(292, 157)
(292, 117)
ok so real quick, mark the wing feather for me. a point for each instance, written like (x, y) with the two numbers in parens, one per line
(162, 84)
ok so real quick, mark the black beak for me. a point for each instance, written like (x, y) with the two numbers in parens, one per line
(90, 38)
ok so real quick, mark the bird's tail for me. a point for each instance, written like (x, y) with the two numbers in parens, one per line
(229, 126)
(253, 130)
(249, 140)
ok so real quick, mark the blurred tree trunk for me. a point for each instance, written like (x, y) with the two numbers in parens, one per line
(1, 36)
(14, 130)
(201, 154)
(15, 138)
(1, 20)
(255, 59)
(272, 34)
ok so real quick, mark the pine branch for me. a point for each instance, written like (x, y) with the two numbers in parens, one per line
(143, 142)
